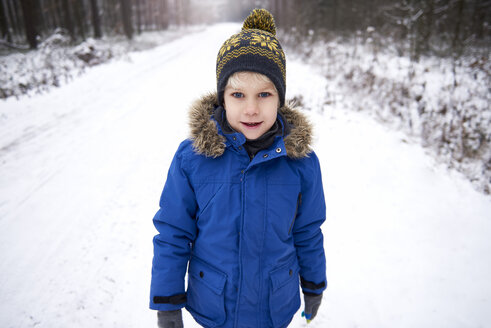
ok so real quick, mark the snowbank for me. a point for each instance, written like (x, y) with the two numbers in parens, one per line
(445, 104)
(56, 61)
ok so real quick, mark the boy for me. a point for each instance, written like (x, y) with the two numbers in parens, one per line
(243, 202)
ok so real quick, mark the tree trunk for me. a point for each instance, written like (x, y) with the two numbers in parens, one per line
(428, 26)
(479, 18)
(59, 11)
(15, 14)
(96, 22)
(148, 15)
(48, 20)
(40, 21)
(79, 13)
(165, 14)
(335, 15)
(177, 4)
(110, 13)
(4, 28)
(67, 19)
(151, 16)
(30, 22)
(138, 18)
(126, 14)
(456, 44)
(278, 12)
(55, 13)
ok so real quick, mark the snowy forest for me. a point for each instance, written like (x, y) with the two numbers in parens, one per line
(436, 53)
(436, 27)
(94, 99)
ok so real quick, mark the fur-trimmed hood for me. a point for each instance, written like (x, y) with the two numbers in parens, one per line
(207, 141)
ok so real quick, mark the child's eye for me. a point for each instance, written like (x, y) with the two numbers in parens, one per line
(237, 95)
(264, 94)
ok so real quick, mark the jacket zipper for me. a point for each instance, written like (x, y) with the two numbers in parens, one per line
(239, 287)
(299, 202)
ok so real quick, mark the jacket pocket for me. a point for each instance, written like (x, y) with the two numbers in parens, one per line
(205, 294)
(284, 298)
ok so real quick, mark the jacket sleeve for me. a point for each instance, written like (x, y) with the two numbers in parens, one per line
(175, 222)
(307, 232)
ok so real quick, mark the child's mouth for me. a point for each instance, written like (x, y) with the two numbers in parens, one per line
(251, 124)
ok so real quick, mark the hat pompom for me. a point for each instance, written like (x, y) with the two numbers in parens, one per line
(260, 19)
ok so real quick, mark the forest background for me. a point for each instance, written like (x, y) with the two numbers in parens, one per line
(420, 66)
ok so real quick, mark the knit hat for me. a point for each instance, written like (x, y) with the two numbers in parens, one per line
(255, 48)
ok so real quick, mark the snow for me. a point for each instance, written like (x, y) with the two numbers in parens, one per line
(82, 168)
(445, 103)
(56, 62)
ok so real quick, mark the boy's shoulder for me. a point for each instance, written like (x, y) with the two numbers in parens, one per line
(190, 148)
(185, 148)
(308, 164)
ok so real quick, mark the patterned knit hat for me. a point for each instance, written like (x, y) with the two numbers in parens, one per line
(254, 49)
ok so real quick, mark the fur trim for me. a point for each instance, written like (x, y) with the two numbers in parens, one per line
(298, 142)
(208, 142)
(204, 132)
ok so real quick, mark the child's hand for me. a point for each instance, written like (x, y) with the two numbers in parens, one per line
(312, 303)
(170, 319)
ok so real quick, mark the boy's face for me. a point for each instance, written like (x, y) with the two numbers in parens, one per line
(251, 106)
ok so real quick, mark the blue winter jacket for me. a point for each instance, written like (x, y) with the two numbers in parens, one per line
(247, 231)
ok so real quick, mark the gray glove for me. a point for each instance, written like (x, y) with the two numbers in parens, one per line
(312, 303)
(170, 319)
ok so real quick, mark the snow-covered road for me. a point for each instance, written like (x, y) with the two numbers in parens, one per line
(82, 168)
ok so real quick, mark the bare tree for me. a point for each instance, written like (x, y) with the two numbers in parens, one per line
(3, 23)
(126, 15)
(31, 19)
(68, 21)
(79, 14)
(110, 15)
(138, 17)
(164, 14)
(456, 44)
(96, 22)
(480, 17)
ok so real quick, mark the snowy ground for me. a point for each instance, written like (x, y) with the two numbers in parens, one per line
(57, 61)
(444, 102)
(82, 168)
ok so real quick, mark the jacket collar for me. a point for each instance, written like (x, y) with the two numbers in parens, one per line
(209, 141)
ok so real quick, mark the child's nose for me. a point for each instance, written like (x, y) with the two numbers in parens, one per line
(252, 107)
